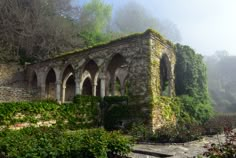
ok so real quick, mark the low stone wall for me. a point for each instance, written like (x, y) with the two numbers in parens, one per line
(10, 94)
(12, 75)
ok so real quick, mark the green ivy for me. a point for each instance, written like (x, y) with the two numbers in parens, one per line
(83, 113)
(191, 83)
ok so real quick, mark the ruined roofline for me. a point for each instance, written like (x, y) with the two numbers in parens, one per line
(101, 45)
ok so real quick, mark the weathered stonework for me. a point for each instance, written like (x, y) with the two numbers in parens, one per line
(13, 86)
(139, 65)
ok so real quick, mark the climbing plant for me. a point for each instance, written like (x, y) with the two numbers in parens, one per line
(191, 83)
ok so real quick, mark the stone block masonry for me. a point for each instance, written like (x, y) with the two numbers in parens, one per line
(140, 66)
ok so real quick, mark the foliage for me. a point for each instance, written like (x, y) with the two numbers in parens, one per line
(226, 149)
(83, 113)
(94, 19)
(216, 124)
(178, 134)
(140, 132)
(191, 83)
(88, 107)
(115, 112)
(167, 134)
(47, 27)
(41, 142)
(196, 111)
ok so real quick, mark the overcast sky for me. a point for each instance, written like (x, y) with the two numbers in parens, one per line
(205, 25)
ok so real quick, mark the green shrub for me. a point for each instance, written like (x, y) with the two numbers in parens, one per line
(177, 134)
(116, 112)
(83, 113)
(140, 132)
(223, 150)
(53, 142)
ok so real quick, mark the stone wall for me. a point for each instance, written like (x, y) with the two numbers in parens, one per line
(12, 74)
(14, 94)
(161, 49)
(139, 56)
(13, 86)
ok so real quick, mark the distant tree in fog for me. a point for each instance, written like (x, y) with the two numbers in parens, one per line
(222, 80)
(132, 17)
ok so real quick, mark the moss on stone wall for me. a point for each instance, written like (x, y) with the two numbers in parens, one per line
(161, 111)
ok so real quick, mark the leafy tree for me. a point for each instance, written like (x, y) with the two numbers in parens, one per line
(38, 28)
(191, 83)
(93, 22)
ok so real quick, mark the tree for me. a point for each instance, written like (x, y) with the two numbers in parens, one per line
(38, 29)
(93, 22)
(222, 81)
(191, 83)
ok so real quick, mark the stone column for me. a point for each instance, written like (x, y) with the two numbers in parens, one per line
(103, 86)
(63, 93)
(113, 82)
(43, 91)
(58, 91)
(94, 89)
(77, 87)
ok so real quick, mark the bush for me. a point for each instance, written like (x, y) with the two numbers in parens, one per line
(226, 149)
(83, 113)
(52, 142)
(177, 134)
(217, 124)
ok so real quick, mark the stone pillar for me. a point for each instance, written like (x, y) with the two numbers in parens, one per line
(43, 91)
(63, 94)
(58, 91)
(77, 87)
(113, 87)
(103, 86)
(94, 89)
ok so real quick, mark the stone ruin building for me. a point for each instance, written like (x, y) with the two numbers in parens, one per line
(140, 66)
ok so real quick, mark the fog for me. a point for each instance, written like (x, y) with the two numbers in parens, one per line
(205, 25)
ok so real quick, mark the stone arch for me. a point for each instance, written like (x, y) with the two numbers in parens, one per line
(50, 84)
(68, 83)
(165, 75)
(117, 68)
(90, 69)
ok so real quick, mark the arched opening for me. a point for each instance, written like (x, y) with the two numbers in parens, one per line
(90, 83)
(117, 72)
(164, 76)
(98, 88)
(87, 87)
(68, 84)
(34, 82)
(51, 85)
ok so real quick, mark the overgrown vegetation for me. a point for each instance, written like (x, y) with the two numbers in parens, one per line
(41, 142)
(225, 149)
(51, 27)
(83, 113)
(191, 83)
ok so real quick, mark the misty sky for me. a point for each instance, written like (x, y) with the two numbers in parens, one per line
(205, 25)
